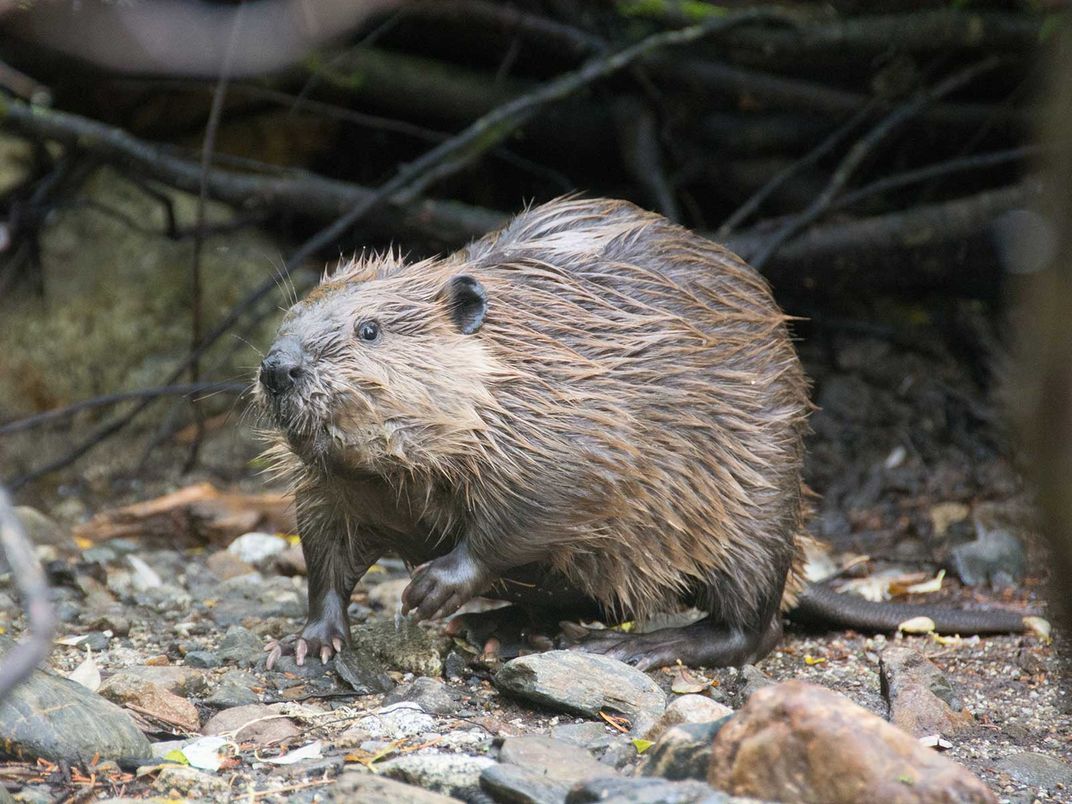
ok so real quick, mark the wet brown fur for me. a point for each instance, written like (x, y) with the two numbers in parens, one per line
(632, 411)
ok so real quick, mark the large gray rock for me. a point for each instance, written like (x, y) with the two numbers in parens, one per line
(451, 774)
(60, 720)
(549, 757)
(401, 645)
(354, 785)
(1038, 770)
(649, 791)
(585, 684)
(682, 752)
(513, 784)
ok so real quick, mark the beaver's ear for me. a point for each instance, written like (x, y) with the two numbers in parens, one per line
(466, 303)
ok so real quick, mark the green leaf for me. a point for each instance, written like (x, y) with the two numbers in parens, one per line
(641, 745)
(176, 755)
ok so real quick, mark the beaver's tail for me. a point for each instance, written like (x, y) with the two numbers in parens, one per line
(819, 605)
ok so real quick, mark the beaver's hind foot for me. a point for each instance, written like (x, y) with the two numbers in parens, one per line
(706, 643)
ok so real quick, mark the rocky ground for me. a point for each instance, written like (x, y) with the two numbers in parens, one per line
(176, 639)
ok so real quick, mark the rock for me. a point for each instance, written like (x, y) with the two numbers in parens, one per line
(996, 557)
(153, 700)
(387, 595)
(144, 576)
(682, 752)
(451, 774)
(291, 561)
(203, 658)
(1037, 770)
(112, 619)
(236, 688)
(455, 665)
(749, 679)
(325, 767)
(253, 548)
(256, 723)
(238, 646)
(190, 783)
(687, 709)
(60, 720)
(801, 742)
(517, 785)
(648, 791)
(173, 678)
(225, 565)
(584, 683)
(34, 794)
(430, 694)
(313, 669)
(364, 672)
(41, 529)
(922, 700)
(394, 722)
(545, 755)
(611, 748)
(356, 785)
(582, 734)
(402, 645)
(616, 752)
(164, 599)
(95, 641)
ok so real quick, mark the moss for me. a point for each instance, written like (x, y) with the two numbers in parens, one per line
(690, 10)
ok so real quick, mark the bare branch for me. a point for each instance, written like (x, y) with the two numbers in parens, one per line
(21, 660)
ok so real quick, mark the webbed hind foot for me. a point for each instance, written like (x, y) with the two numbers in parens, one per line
(504, 633)
(705, 643)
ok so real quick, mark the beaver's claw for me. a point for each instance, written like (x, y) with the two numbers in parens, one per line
(316, 637)
(442, 586)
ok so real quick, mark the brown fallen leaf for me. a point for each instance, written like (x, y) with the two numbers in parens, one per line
(199, 514)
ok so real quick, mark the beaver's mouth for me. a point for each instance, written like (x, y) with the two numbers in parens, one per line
(294, 418)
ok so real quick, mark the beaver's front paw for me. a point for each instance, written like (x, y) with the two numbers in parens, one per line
(319, 636)
(442, 586)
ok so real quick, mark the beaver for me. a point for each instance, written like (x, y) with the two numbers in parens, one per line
(593, 411)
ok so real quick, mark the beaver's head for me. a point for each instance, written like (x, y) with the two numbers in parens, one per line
(380, 370)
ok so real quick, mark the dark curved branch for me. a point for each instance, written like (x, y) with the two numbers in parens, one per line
(909, 250)
(66, 412)
(443, 222)
(862, 150)
(780, 92)
(851, 37)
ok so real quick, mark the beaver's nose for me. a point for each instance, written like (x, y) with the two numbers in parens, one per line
(281, 367)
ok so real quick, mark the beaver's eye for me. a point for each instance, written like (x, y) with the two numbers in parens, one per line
(368, 331)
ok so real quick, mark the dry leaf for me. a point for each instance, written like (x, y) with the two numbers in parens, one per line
(917, 625)
(87, 673)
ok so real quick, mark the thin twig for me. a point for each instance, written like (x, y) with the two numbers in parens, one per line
(936, 171)
(862, 150)
(21, 660)
(743, 212)
(208, 147)
(59, 414)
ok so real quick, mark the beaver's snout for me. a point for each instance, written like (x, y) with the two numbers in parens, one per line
(282, 367)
